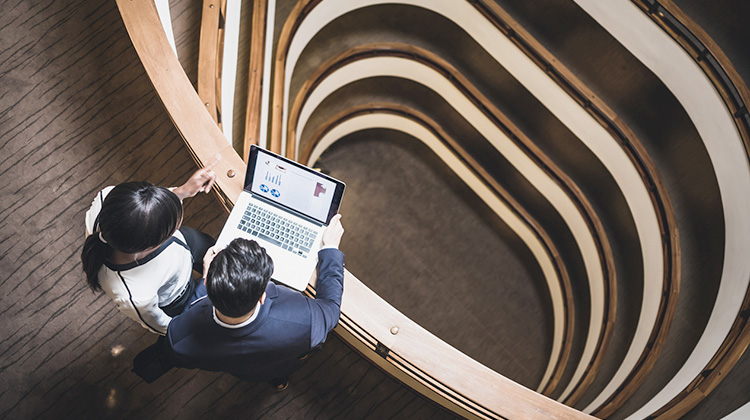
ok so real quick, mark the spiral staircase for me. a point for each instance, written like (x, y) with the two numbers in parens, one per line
(604, 143)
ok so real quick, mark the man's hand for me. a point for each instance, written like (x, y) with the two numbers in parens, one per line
(201, 181)
(332, 234)
(210, 254)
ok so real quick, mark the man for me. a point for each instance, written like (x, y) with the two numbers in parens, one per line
(250, 327)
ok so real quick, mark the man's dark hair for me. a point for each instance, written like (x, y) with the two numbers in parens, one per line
(238, 276)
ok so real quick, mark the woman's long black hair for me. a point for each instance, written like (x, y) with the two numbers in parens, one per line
(135, 216)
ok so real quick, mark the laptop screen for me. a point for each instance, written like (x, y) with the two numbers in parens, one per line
(292, 185)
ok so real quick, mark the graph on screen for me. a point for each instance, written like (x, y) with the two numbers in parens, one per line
(293, 187)
(273, 179)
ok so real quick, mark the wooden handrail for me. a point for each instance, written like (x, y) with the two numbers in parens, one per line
(295, 18)
(481, 173)
(454, 147)
(255, 76)
(202, 136)
(637, 155)
(209, 67)
(293, 22)
(736, 95)
(632, 148)
(392, 49)
(650, 175)
(416, 349)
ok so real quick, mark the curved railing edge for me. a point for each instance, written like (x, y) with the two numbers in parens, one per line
(649, 173)
(255, 75)
(504, 124)
(450, 144)
(601, 113)
(208, 58)
(736, 95)
(294, 20)
(204, 141)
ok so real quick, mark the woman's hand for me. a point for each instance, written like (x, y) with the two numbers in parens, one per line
(201, 181)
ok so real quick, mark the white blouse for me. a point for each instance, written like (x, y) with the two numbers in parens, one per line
(141, 287)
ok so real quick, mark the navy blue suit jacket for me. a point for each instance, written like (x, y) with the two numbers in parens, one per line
(288, 326)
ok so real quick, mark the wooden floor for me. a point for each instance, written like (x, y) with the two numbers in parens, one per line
(78, 113)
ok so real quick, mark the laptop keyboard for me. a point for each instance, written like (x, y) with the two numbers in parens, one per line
(277, 229)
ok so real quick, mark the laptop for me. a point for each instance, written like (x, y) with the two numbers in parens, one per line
(285, 206)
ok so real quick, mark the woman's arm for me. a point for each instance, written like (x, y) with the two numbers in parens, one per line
(201, 181)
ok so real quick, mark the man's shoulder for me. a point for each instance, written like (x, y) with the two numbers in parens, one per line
(282, 295)
(196, 310)
(287, 305)
(196, 316)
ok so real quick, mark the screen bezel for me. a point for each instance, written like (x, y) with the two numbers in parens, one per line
(338, 194)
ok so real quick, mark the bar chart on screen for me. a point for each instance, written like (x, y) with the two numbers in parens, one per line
(273, 178)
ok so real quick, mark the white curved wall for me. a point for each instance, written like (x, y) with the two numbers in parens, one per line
(690, 85)
(420, 73)
(583, 125)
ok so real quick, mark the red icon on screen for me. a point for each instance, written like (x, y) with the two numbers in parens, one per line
(319, 189)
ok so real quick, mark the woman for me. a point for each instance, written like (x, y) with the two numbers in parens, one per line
(139, 255)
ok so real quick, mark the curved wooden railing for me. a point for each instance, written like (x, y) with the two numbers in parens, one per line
(257, 49)
(294, 21)
(736, 95)
(210, 66)
(689, 68)
(600, 112)
(453, 147)
(390, 49)
(649, 173)
(368, 322)
(209, 53)
(482, 174)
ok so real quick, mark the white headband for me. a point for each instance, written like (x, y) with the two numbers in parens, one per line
(101, 238)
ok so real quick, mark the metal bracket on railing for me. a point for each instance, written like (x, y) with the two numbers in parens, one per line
(382, 350)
